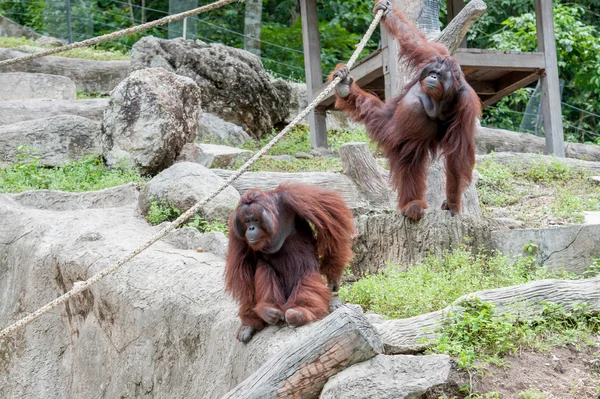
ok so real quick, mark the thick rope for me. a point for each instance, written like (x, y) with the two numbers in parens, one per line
(82, 286)
(121, 33)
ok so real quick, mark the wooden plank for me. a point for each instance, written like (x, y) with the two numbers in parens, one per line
(454, 7)
(484, 87)
(550, 87)
(313, 69)
(510, 83)
(468, 58)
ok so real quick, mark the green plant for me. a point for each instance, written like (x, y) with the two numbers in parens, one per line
(163, 211)
(438, 281)
(476, 332)
(532, 393)
(87, 174)
(531, 247)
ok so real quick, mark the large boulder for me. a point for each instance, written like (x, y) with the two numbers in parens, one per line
(150, 117)
(215, 130)
(27, 86)
(91, 76)
(55, 139)
(234, 83)
(184, 184)
(19, 110)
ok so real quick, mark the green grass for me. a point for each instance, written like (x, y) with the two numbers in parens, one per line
(537, 193)
(88, 174)
(87, 53)
(437, 282)
(298, 140)
(82, 95)
(162, 211)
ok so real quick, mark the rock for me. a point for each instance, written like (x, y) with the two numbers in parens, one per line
(234, 83)
(321, 152)
(572, 248)
(397, 377)
(338, 120)
(500, 213)
(298, 101)
(50, 41)
(595, 179)
(506, 223)
(303, 155)
(10, 28)
(91, 76)
(55, 139)
(150, 117)
(184, 184)
(215, 130)
(190, 238)
(27, 86)
(213, 155)
(19, 111)
(591, 217)
(156, 328)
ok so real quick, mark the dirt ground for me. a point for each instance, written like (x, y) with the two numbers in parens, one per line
(561, 373)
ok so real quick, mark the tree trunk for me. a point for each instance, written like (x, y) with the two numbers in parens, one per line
(301, 370)
(252, 24)
(362, 168)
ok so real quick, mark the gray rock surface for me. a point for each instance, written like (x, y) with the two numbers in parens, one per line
(389, 377)
(55, 139)
(161, 326)
(28, 86)
(184, 184)
(570, 247)
(92, 76)
(234, 83)
(10, 28)
(215, 130)
(190, 238)
(213, 155)
(19, 111)
(150, 117)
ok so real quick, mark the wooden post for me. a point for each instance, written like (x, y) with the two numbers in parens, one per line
(389, 49)
(454, 7)
(550, 85)
(313, 70)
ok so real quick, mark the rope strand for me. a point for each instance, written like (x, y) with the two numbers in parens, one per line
(82, 286)
(121, 33)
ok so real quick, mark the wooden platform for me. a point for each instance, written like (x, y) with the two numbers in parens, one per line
(492, 74)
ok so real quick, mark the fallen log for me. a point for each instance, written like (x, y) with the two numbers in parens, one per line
(301, 370)
(522, 161)
(498, 140)
(525, 301)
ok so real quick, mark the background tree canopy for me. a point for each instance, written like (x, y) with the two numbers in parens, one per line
(507, 25)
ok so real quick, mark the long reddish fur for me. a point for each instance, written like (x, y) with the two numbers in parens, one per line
(303, 258)
(409, 139)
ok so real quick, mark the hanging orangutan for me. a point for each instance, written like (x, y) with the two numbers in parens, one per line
(436, 112)
(274, 261)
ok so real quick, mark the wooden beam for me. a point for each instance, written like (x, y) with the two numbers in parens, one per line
(313, 70)
(389, 63)
(454, 7)
(551, 108)
(510, 83)
(366, 71)
(515, 61)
